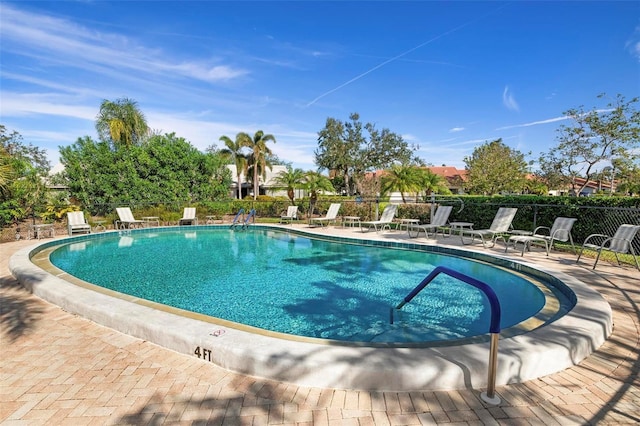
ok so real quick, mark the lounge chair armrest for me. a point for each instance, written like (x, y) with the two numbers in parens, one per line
(592, 236)
(619, 239)
(535, 231)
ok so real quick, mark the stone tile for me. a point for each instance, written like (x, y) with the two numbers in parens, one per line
(68, 370)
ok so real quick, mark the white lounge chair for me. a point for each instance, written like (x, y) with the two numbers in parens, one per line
(126, 219)
(440, 219)
(385, 220)
(499, 227)
(331, 216)
(188, 217)
(290, 215)
(559, 231)
(620, 243)
(76, 223)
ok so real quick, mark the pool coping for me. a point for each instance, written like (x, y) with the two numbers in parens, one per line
(546, 350)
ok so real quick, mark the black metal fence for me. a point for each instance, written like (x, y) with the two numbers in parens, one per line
(590, 219)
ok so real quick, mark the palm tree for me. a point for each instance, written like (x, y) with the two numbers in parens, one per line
(6, 170)
(290, 179)
(121, 122)
(258, 158)
(402, 178)
(234, 150)
(430, 182)
(314, 182)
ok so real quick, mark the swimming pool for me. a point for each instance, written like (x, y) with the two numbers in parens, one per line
(298, 285)
(536, 347)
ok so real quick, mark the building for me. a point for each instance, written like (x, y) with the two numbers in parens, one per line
(455, 177)
(592, 187)
(267, 185)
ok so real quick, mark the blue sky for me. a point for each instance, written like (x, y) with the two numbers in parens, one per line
(447, 76)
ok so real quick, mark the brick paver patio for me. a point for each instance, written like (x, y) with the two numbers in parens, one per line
(58, 368)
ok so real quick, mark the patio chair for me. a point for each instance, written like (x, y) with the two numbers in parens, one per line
(499, 227)
(559, 231)
(188, 217)
(126, 219)
(620, 243)
(76, 222)
(440, 219)
(290, 215)
(385, 220)
(331, 216)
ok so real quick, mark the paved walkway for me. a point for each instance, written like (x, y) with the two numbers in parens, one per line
(57, 368)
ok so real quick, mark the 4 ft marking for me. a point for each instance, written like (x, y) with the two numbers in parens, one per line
(203, 353)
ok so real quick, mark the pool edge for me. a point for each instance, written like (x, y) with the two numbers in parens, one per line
(544, 351)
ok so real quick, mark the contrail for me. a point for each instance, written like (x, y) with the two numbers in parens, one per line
(358, 77)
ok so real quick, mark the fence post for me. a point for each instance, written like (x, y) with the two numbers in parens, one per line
(433, 204)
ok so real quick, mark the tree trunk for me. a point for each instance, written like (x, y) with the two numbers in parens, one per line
(347, 183)
(312, 203)
(256, 188)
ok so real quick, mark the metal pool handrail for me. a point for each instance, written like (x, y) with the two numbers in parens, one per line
(494, 327)
(245, 221)
(235, 219)
(252, 213)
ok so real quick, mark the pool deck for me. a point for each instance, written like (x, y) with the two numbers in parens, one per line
(58, 368)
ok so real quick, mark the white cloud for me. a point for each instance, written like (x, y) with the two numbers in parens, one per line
(456, 129)
(509, 100)
(20, 105)
(635, 50)
(633, 44)
(534, 123)
(205, 73)
(291, 145)
(57, 41)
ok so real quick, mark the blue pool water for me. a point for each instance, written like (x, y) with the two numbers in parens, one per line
(278, 281)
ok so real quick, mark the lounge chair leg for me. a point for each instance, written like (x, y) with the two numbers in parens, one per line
(573, 247)
(597, 258)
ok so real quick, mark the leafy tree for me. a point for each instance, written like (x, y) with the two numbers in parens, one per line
(344, 148)
(121, 122)
(258, 159)
(314, 183)
(93, 172)
(627, 175)
(24, 171)
(234, 149)
(596, 137)
(336, 152)
(290, 179)
(493, 167)
(166, 169)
